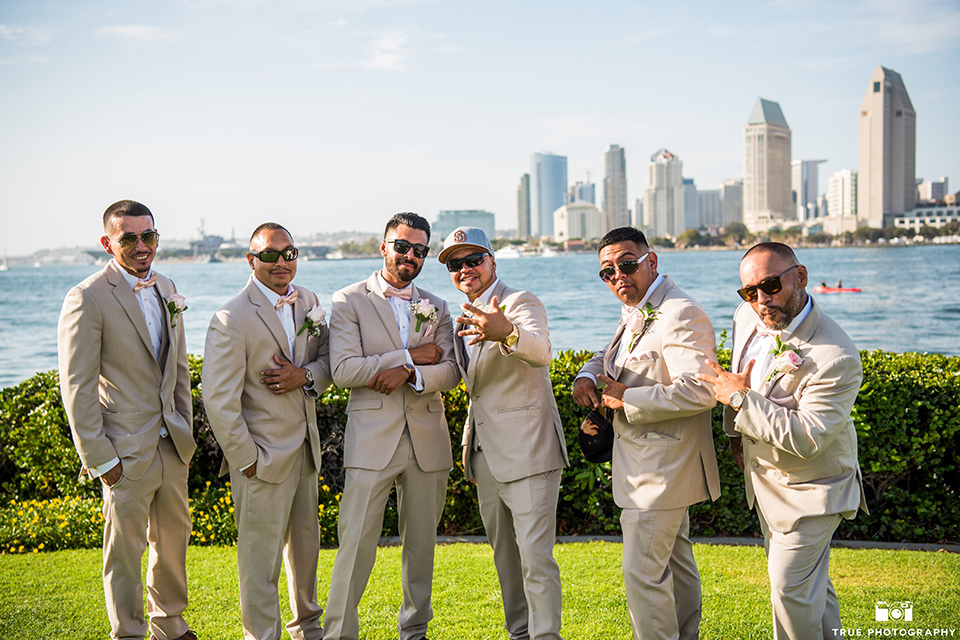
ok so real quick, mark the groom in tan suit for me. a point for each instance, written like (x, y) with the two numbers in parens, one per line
(663, 455)
(126, 392)
(796, 375)
(395, 363)
(264, 367)
(513, 443)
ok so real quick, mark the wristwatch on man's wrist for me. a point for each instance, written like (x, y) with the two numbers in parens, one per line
(411, 372)
(512, 339)
(737, 398)
(309, 376)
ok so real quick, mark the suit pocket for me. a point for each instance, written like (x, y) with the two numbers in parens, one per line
(534, 407)
(360, 404)
(801, 476)
(435, 405)
(119, 412)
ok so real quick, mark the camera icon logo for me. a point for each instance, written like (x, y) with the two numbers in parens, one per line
(893, 611)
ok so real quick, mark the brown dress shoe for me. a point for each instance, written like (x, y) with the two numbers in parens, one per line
(189, 635)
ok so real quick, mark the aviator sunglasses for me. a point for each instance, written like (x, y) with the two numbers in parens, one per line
(272, 255)
(473, 260)
(129, 240)
(769, 286)
(403, 246)
(627, 268)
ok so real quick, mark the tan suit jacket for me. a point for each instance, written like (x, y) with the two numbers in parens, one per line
(364, 339)
(799, 441)
(512, 405)
(250, 422)
(663, 454)
(115, 392)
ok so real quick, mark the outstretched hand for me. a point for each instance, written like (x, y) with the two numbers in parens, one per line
(483, 325)
(725, 382)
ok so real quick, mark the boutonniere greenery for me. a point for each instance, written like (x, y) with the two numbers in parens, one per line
(424, 311)
(787, 358)
(639, 320)
(176, 305)
(314, 322)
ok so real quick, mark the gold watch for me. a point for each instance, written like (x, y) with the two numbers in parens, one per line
(512, 339)
(411, 372)
(737, 398)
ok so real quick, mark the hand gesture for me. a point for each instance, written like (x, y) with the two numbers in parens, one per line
(285, 379)
(725, 382)
(612, 396)
(484, 325)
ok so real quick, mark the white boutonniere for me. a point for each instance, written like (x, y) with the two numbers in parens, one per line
(176, 305)
(314, 322)
(424, 311)
(787, 358)
(638, 321)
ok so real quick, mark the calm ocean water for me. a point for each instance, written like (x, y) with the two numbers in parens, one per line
(910, 299)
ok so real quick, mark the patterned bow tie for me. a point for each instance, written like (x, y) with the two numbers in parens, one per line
(143, 284)
(286, 300)
(625, 312)
(404, 294)
(766, 332)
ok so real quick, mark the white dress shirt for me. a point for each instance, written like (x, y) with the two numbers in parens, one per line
(401, 312)
(285, 312)
(761, 346)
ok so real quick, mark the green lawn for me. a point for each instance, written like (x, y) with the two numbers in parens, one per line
(59, 595)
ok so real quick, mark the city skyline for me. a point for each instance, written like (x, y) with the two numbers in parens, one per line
(333, 115)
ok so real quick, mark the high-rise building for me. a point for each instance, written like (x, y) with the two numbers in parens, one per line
(615, 210)
(663, 205)
(691, 218)
(636, 216)
(804, 181)
(449, 220)
(767, 198)
(935, 190)
(731, 201)
(578, 219)
(886, 182)
(709, 208)
(583, 191)
(548, 191)
(523, 207)
(842, 197)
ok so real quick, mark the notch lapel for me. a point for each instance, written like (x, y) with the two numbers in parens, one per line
(131, 306)
(382, 307)
(268, 315)
(299, 316)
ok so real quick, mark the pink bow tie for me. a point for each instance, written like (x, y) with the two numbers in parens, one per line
(766, 332)
(143, 284)
(625, 312)
(290, 299)
(404, 294)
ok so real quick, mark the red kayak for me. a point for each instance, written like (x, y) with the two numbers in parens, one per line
(819, 289)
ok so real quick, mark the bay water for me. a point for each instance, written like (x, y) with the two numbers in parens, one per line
(910, 298)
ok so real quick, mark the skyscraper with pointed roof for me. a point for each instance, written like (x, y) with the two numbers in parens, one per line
(767, 197)
(886, 181)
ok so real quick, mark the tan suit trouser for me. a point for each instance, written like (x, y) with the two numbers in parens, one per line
(660, 574)
(420, 497)
(520, 519)
(274, 522)
(805, 604)
(150, 510)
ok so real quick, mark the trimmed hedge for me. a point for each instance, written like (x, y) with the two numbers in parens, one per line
(907, 420)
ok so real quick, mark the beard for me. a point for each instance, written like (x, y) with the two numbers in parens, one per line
(780, 317)
(393, 268)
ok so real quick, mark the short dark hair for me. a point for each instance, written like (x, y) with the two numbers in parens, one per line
(777, 248)
(269, 225)
(125, 208)
(409, 219)
(623, 234)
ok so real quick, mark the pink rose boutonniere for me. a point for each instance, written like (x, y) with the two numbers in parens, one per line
(314, 322)
(638, 320)
(424, 311)
(176, 305)
(787, 358)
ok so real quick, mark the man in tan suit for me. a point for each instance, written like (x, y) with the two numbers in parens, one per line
(796, 375)
(513, 443)
(126, 392)
(264, 367)
(663, 455)
(395, 361)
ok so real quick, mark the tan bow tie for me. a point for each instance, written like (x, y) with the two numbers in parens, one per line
(290, 299)
(766, 332)
(404, 294)
(143, 284)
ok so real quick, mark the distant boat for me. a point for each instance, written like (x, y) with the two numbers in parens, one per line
(4, 266)
(548, 252)
(506, 253)
(822, 289)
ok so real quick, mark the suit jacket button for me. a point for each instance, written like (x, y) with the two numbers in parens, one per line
(754, 464)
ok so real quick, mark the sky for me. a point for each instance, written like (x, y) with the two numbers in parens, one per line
(329, 115)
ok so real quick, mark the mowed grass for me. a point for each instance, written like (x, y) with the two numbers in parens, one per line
(59, 595)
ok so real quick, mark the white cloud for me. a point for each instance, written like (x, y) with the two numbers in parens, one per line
(26, 36)
(921, 26)
(388, 52)
(142, 33)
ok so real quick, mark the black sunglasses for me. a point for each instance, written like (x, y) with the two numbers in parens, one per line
(272, 255)
(403, 246)
(627, 268)
(769, 286)
(129, 240)
(472, 260)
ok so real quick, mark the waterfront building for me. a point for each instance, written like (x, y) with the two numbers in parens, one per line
(548, 191)
(804, 182)
(731, 201)
(636, 216)
(767, 198)
(583, 191)
(933, 190)
(615, 212)
(691, 217)
(448, 220)
(709, 208)
(523, 207)
(663, 205)
(887, 155)
(575, 220)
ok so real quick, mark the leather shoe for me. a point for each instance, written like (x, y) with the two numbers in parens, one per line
(189, 635)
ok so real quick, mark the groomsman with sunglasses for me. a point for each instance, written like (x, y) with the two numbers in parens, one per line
(795, 377)
(391, 344)
(513, 443)
(663, 453)
(126, 392)
(264, 367)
